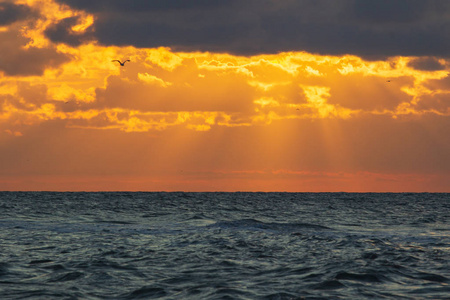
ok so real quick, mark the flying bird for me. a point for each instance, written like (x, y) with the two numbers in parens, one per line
(121, 63)
(388, 80)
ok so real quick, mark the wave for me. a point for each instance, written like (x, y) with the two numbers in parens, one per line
(256, 225)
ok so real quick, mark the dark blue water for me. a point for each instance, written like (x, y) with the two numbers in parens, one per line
(224, 246)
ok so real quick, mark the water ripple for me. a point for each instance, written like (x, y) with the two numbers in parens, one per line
(224, 246)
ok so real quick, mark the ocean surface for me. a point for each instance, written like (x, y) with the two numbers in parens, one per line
(224, 245)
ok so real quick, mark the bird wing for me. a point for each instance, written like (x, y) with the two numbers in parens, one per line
(116, 60)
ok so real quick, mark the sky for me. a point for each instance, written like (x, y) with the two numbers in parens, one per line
(229, 95)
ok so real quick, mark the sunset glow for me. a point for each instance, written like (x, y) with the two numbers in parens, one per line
(71, 119)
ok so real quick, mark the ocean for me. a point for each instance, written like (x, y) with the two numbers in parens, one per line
(176, 245)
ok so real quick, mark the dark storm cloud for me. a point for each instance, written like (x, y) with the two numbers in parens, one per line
(143, 5)
(426, 64)
(373, 29)
(62, 32)
(389, 11)
(10, 13)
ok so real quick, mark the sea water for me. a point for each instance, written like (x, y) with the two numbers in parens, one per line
(224, 245)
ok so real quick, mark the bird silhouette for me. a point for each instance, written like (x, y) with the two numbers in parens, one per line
(121, 63)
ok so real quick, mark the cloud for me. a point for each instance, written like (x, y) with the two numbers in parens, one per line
(372, 29)
(15, 133)
(18, 56)
(426, 64)
(16, 59)
(143, 5)
(152, 79)
(10, 13)
(160, 90)
(62, 32)
(386, 12)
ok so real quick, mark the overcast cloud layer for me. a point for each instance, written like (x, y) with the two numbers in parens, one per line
(372, 29)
